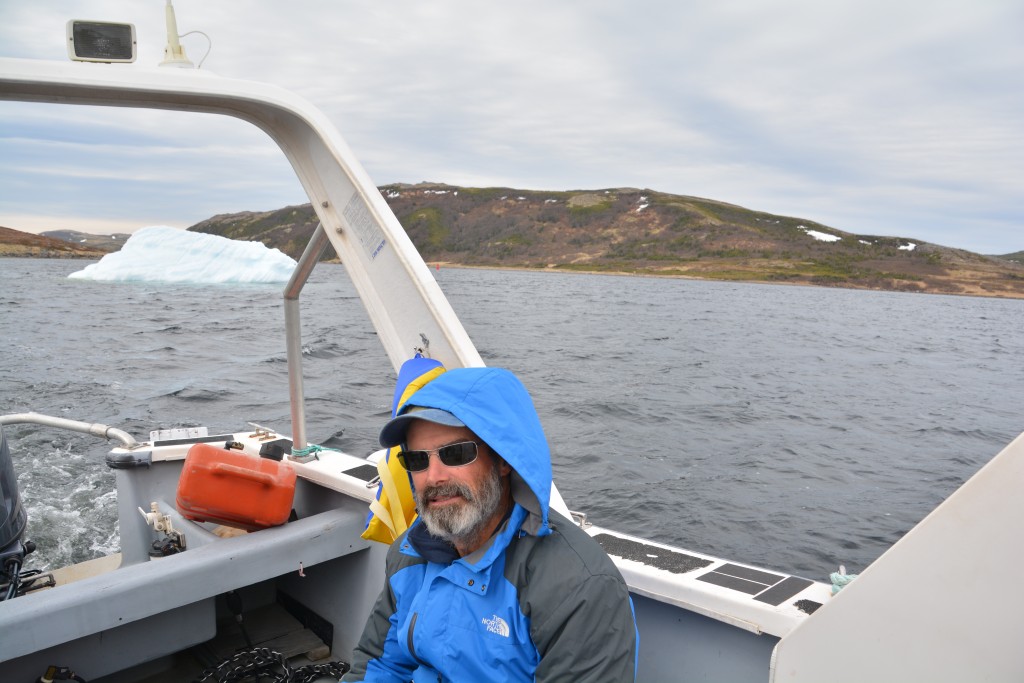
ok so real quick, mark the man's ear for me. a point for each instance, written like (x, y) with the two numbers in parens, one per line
(504, 469)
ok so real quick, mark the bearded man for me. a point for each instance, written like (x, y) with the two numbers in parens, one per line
(489, 584)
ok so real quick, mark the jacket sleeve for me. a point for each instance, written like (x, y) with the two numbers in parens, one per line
(581, 615)
(590, 636)
(378, 656)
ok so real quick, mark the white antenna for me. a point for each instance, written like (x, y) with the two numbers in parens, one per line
(174, 53)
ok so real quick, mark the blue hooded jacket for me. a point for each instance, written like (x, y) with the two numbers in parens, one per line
(539, 601)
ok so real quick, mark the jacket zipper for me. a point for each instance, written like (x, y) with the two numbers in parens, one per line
(412, 648)
(412, 626)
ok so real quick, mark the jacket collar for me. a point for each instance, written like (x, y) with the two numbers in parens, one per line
(434, 549)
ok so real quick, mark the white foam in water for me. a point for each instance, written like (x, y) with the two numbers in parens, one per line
(161, 253)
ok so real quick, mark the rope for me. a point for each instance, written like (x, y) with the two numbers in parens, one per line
(310, 450)
(312, 672)
(840, 579)
(263, 664)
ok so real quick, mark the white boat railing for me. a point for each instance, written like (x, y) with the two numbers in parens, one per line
(94, 428)
(293, 331)
(401, 297)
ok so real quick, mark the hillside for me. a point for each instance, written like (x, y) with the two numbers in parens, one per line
(16, 243)
(645, 232)
(620, 230)
(104, 243)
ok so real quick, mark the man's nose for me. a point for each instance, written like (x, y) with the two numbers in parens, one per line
(437, 471)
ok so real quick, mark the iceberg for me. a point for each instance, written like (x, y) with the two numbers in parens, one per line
(161, 253)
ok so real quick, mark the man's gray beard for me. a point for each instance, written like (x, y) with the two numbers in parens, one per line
(457, 522)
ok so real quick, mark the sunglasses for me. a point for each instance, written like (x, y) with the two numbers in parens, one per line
(452, 455)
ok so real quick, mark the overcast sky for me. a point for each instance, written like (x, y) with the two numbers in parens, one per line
(877, 117)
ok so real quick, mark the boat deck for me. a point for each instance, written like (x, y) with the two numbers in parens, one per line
(271, 627)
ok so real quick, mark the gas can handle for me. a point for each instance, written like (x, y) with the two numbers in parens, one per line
(224, 469)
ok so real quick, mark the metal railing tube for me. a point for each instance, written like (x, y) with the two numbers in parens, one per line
(96, 429)
(293, 331)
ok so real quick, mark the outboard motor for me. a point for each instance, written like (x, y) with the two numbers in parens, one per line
(12, 525)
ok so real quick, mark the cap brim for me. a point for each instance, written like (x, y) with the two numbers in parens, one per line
(393, 433)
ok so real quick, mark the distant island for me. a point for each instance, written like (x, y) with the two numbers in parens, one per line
(638, 232)
(17, 243)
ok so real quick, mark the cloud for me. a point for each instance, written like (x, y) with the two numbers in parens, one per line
(895, 119)
(110, 164)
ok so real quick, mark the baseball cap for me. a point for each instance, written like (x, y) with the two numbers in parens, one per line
(393, 433)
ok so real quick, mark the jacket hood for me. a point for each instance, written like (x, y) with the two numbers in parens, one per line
(495, 405)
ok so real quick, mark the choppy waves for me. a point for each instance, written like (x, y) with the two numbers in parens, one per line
(794, 428)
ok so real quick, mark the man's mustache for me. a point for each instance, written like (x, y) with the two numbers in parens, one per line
(445, 490)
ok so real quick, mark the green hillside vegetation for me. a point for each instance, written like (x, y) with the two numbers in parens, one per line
(644, 232)
(620, 230)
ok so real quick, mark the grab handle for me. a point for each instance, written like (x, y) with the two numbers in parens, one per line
(224, 469)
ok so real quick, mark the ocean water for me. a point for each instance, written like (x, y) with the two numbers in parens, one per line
(788, 427)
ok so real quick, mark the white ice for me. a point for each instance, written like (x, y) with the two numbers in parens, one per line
(908, 247)
(161, 253)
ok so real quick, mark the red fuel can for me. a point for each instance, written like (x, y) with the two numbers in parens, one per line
(234, 489)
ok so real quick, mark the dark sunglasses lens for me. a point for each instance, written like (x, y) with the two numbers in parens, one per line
(454, 455)
(414, 461)
(458, 454)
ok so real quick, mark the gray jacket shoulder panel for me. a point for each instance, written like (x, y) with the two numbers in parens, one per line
(581, 617)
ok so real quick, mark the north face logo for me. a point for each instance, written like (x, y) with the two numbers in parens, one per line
(497, 625)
